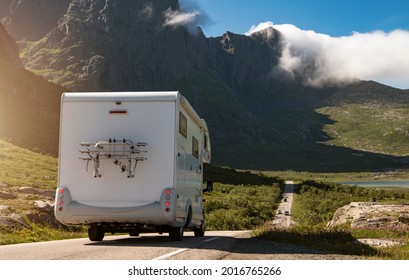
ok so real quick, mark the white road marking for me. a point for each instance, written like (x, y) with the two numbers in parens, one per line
(171, 254)
(211, 239)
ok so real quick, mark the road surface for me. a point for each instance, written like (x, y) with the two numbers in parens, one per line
(282, 218)
(123, 247)
(216, 245)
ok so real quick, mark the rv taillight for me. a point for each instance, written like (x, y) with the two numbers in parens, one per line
(167, 210)
(61, 199)
(167, 191)
(167, 203)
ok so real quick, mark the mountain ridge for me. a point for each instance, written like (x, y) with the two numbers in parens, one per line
(232, 79)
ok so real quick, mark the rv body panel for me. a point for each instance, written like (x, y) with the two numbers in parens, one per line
(131, 158)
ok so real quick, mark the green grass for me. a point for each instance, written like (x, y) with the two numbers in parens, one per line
(38, 233)
(376, 128)
(22, 167)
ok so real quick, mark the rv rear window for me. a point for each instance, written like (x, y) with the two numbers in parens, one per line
(195, 147)
(182, 124)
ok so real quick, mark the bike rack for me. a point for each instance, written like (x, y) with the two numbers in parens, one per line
(116, 150)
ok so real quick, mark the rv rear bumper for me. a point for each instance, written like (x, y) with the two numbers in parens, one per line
(71, 212)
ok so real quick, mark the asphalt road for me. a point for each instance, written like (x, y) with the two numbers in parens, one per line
(214, 245)
(282, 218)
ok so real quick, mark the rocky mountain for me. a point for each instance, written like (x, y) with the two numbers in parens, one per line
(259, 116)
(29, 105)
(31, 20)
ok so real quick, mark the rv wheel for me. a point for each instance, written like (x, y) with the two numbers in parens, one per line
(200, 231)
(96, 233)
(134, 233)
(176, 233)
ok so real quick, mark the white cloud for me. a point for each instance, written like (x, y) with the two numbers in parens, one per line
(178, 18)
(378, 56)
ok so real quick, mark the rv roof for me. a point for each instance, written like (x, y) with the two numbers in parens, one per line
(123, 96)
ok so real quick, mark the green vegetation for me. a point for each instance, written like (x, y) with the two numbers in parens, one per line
(314, 206)
(22, 167)
(369, 127)
(239, 207)
(240, 199)
(315, 203)
(37, 233)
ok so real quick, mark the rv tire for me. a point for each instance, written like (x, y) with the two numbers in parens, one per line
(134, 233)
(176, 233)
(200, 231)
(96, 233)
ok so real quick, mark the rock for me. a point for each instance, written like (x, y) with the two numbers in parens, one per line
(43, 214)
(45, 206)
(29, 190)
(22, 15)
(372, 215)
(7, 195)
(47, 193)
(377, 242)
(404, 218)
(3, 207)
(14, 221)
(3, 185)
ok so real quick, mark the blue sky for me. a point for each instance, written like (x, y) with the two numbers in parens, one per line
(335, 18)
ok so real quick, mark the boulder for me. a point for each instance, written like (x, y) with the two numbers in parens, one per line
(13, 221)
(43, 213)
(371, 215)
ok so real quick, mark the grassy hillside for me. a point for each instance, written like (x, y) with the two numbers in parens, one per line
(22, 167)
(369, 127)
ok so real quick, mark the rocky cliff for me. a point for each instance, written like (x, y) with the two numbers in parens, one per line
(31, 20)
(29, 105)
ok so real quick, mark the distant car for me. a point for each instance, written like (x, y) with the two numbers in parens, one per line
(279, 211)
(285, 199)
(287, 213)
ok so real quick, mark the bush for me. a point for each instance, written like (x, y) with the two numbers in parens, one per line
(240, 207)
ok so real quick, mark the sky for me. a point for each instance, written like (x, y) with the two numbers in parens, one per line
(367, 39)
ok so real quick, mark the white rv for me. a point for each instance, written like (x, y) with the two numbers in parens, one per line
(131, 162)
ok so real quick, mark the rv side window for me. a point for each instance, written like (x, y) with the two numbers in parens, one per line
(205, 143)
(195, 147)
(182, 124)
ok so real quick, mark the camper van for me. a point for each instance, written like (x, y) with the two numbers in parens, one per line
(131, 162)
